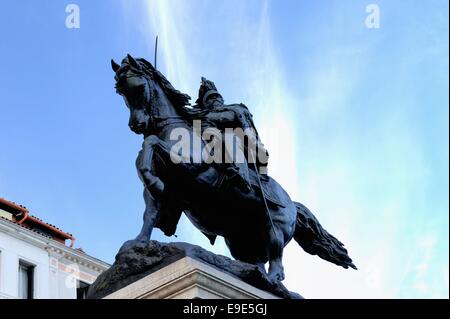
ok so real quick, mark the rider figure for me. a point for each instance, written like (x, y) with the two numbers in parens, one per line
(221, 116)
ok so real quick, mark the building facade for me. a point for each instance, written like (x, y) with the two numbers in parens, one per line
(36, 262)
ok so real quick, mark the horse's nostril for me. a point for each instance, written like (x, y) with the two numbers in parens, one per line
(137, 126)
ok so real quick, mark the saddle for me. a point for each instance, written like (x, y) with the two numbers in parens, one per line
(169, 216)
(219, 180)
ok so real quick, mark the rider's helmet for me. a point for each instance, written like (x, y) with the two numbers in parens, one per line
(206, 91)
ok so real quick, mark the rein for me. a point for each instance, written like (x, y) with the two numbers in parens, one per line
(160, 122)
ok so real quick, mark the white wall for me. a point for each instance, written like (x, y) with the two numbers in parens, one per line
(11, 251)
(57, 267)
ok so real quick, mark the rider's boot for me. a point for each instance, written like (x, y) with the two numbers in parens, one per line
(209, 177)
(235, 177)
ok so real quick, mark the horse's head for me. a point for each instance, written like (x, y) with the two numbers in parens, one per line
(133, 84)
(148, 94)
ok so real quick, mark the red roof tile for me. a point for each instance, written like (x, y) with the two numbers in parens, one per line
(27, 220)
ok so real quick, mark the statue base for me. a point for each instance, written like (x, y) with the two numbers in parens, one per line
(180, 270)
(188, 278)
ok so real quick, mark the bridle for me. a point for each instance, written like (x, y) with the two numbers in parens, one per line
(157, 121)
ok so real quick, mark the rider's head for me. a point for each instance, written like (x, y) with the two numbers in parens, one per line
(208, 96)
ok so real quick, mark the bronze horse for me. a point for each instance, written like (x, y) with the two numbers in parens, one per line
(156, 109)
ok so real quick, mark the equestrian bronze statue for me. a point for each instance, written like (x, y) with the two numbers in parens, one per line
(221, 196)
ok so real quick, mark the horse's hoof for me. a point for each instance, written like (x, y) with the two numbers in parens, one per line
(127, 245)
(276, 275)
(131, 243)
(139, 240)
(276, 278)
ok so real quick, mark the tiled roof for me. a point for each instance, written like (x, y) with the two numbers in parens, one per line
(25, 226)
(53, 226)
(13, 205)
(22, 217)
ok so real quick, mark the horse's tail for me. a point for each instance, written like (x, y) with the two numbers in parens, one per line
(315, 240)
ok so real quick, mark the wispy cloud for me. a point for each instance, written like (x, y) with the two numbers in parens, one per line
(364, 178)
(248, 57)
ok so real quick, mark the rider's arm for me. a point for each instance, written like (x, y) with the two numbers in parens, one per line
(222, 117)
(246, 118)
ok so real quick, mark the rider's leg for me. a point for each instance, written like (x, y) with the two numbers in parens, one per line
(244, 175)
(239, 164)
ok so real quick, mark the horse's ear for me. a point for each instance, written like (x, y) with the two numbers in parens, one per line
(132, 62)
(114, 65)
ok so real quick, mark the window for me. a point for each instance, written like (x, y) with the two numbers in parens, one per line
(82, 289)
(26, 280)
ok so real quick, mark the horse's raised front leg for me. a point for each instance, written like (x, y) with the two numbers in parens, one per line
(145, 167)
(153, 186)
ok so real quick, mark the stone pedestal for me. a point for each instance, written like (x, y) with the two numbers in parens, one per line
(188, 278)
(181, 270)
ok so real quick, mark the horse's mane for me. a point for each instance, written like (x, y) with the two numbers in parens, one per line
(177, 98)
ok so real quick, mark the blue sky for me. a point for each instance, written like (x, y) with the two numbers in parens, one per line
(355, 120)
